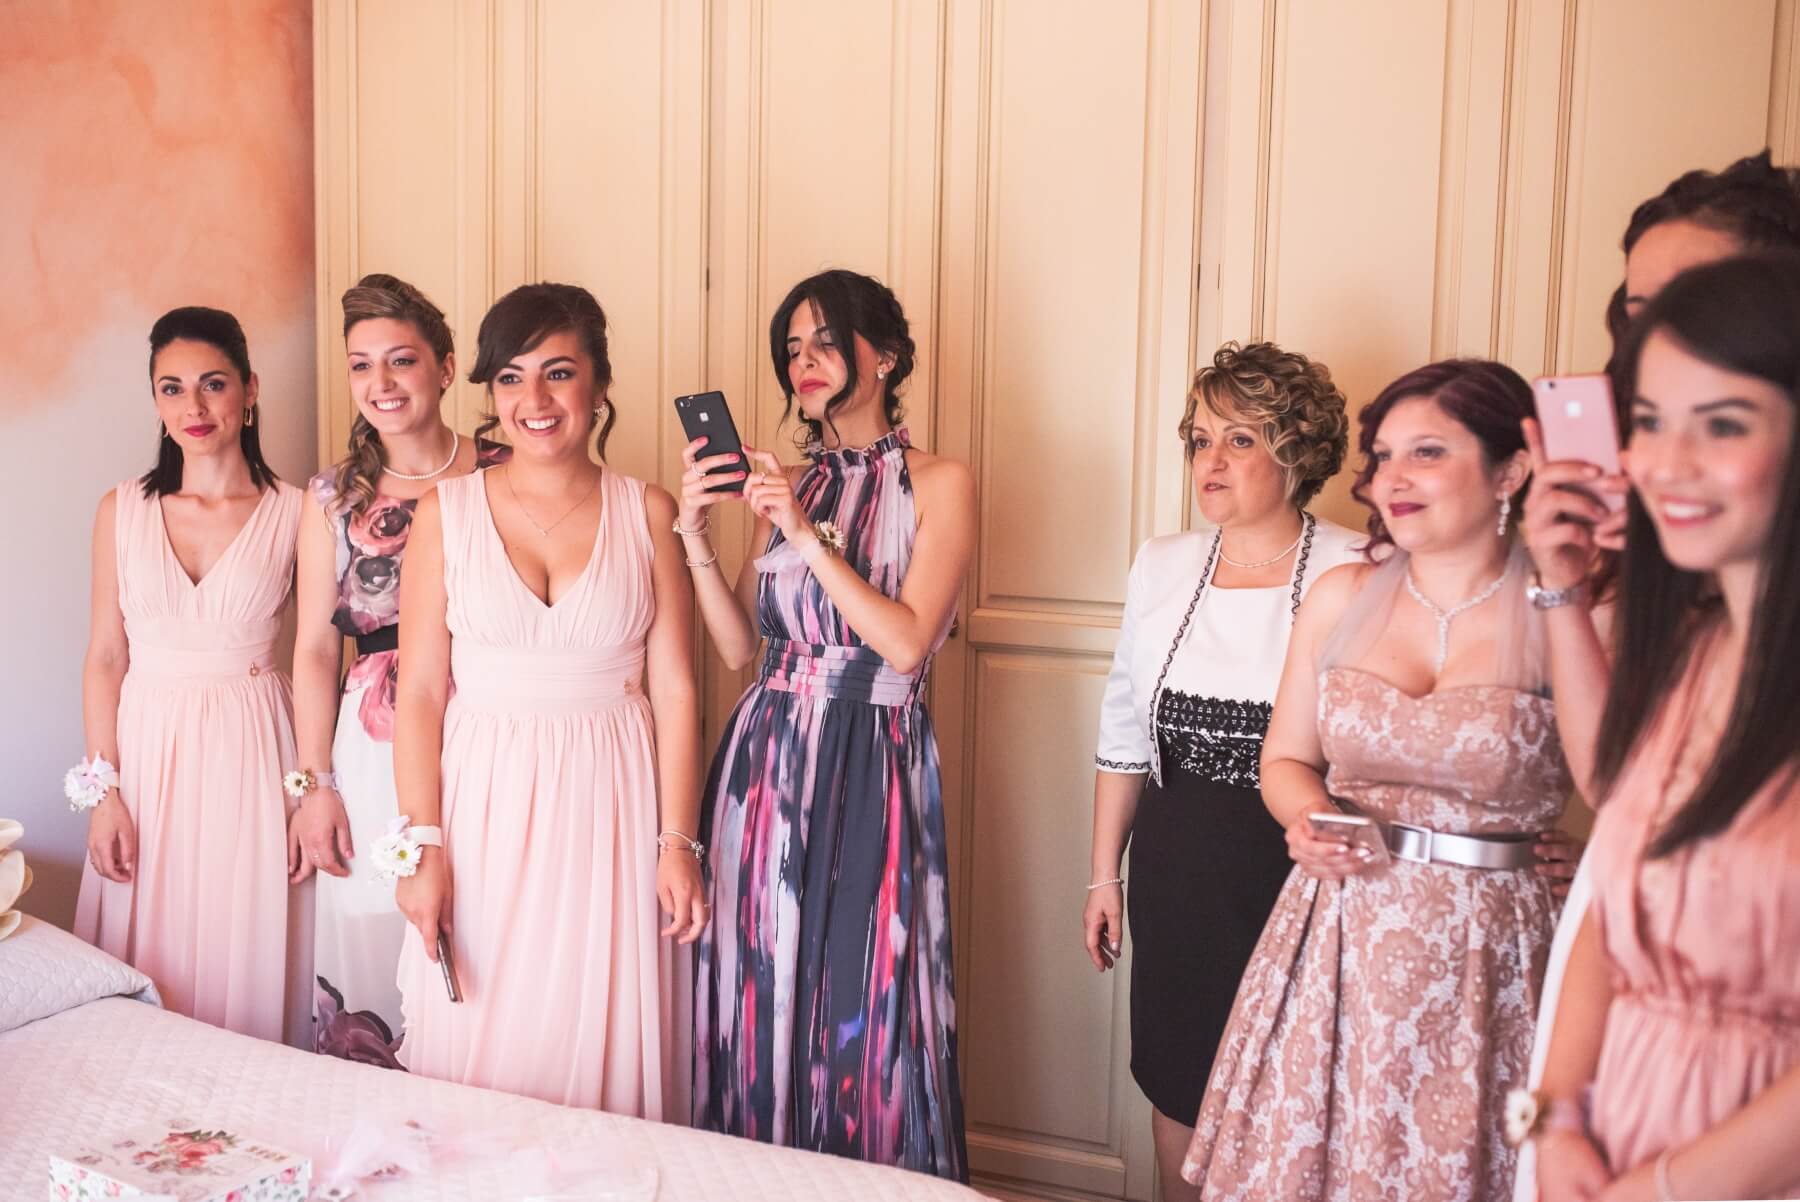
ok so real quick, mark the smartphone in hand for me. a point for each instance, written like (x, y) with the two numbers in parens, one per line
(705, 415)
(1579, 423)
(1355, 831)
(447, 963)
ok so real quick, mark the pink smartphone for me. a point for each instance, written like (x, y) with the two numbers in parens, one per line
(1353, 830)
(1576, 413)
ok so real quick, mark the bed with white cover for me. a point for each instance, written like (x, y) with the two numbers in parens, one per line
(86, 1051)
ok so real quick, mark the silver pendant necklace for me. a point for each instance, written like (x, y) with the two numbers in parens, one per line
(455, 442)
(545, 530)
(1446, 616)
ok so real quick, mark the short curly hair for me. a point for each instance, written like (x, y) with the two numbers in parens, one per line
(1301, 412)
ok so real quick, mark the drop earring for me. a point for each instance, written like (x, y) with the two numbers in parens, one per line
(881, 373)
(250, 418)
(1505, 512)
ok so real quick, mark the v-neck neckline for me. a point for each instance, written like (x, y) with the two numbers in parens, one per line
(512, 569)
(162, 522)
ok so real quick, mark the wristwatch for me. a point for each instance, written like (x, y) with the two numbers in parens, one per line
(1553, 598)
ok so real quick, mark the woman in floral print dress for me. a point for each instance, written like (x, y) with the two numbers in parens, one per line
(358, 515)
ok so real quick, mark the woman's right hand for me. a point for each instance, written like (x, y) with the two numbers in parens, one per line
(1103, 922)
(696, 485)
(1569, 1168)
(1326, 859)
(1564, 523)
(424, 897)
(112, 839)
(319, 836)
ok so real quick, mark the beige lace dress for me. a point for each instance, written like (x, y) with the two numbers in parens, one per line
(1383, 1018)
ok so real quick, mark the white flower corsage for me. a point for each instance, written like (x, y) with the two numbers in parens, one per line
(396, 853)
(85, 784)
(830, 536)
(1521, 1116)
(296, 783)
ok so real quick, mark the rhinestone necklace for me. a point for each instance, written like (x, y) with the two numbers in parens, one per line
(1446, 616)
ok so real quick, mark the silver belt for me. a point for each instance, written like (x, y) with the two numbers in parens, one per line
(1423, 846)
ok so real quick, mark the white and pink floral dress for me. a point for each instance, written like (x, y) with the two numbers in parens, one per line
(358, 930)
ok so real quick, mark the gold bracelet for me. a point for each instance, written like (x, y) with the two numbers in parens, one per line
(705, 525)
(704, 563)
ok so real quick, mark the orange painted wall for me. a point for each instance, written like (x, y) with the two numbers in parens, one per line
(155, 155)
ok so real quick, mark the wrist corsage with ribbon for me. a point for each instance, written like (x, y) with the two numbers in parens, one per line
(396, 854)
(85, 784)
(830, 537)
(301, 781)
(1530, 1113)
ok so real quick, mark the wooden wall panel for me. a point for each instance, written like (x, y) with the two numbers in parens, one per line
(1075, 204)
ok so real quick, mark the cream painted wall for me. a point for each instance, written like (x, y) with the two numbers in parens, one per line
(157, 155)
(1075, 203)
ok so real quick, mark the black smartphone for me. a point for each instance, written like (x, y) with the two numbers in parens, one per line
(448, 964)
(705, 415)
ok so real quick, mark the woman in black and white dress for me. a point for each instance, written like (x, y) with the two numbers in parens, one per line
(1207, 618)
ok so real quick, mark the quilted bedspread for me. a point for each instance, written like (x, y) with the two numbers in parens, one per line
(113, 1064)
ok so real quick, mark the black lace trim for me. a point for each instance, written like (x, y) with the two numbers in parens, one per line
(1120, 765)
(1215, 739)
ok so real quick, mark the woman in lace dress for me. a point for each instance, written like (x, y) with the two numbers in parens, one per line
(1207, 616)
(1389, 1003)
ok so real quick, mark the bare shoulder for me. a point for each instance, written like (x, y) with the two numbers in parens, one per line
(659, 505)
(1332, 593)
(938, 477)
(107, 511)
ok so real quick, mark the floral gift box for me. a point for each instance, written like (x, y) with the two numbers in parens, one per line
(180, 1162)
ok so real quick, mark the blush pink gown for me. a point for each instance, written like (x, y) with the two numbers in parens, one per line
(205, 733)
(550, 824)
(1704, 951)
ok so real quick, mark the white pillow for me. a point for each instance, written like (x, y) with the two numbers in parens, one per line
(44, 970)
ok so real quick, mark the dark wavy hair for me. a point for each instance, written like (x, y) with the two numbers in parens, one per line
(1488, 399)
(1741, 315)
(1753, 200)
(846, 303)
(221, 331)
(521, 320)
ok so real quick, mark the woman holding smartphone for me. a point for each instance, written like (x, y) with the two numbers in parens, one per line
(1388, 1005)
(563, 770)
(1674, 1066)
(1205, 630)
(1701, 217)
(825, 1011)
(352, 540)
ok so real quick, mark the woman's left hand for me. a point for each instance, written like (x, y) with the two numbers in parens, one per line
(1639, 1185)
(770, 494)
(1558, 854)
(682, 894)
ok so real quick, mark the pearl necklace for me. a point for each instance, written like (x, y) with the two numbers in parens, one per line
(455, 443)
(1446, 616)
(1263, 563)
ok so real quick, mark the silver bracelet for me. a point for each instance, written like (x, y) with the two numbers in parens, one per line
(1103, 884)
(1664, 1191)
(676, 841)
(705, 525)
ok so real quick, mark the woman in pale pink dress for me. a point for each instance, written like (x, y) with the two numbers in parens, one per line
(193, 567)
(1679, 1022)
(565, 763)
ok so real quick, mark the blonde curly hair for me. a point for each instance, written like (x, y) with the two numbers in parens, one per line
(1291, 399)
